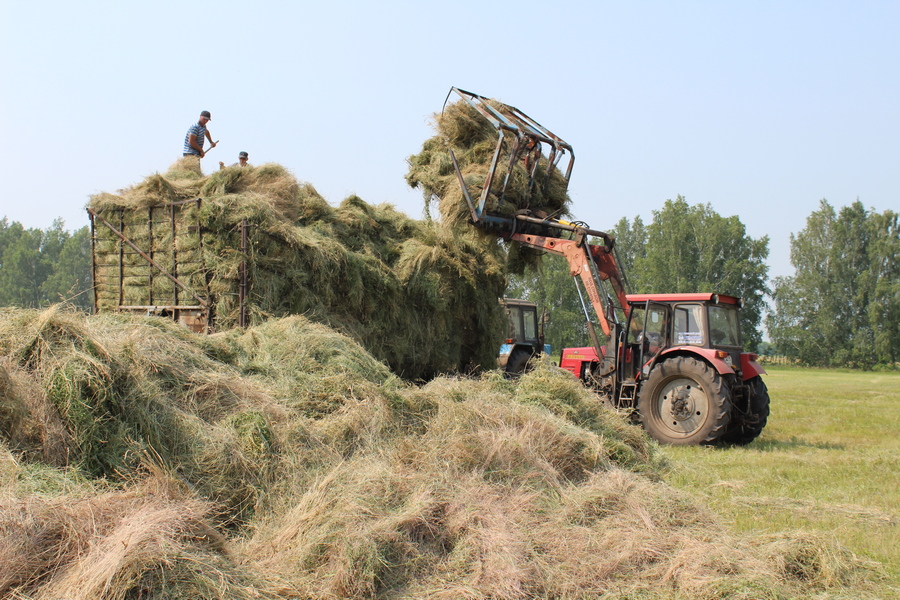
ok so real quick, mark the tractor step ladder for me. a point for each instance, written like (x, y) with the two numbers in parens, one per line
(628, 391)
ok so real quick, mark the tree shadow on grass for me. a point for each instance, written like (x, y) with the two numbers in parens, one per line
(775, 445)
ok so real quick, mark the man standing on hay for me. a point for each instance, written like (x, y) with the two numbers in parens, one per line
(193, 141)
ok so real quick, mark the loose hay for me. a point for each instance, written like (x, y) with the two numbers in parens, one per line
(286, 462)
(147, 541)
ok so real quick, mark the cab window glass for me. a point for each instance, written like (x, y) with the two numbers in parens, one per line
(724, 326)
(515, 322)
(529, 317)
(655, 322)
(689, 325)
(656, 328)
(636, 330)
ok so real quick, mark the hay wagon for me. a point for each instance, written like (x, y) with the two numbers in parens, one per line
(153, 261)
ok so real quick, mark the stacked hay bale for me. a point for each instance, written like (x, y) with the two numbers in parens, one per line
(417, 295)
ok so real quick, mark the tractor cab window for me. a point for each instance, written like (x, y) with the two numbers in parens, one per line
(724, 326)
(522, 323)
(515, 322)
(689, 325)
(648, 332)
(648, 326)
(529, 322)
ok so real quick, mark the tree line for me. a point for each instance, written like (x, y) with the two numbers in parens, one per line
(842, 305)
(43, 267)
(840, 308)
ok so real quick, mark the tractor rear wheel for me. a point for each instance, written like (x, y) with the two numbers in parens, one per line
(684, 402)
(744, 428)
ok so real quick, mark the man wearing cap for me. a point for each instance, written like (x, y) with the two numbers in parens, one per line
(243, 157)
(193, 141)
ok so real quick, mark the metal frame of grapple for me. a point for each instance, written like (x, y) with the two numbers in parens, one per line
(528, 137)
(591, 264)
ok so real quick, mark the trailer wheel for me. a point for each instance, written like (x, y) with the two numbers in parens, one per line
(518, 362)
(745, 428)
(684, 402)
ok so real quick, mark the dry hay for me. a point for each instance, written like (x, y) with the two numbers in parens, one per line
(473, 140)
(420, 297)
(287, 452)
(133, 543)
(490, 497)
(117, 387)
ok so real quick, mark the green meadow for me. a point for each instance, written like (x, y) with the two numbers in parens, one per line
(828, 462)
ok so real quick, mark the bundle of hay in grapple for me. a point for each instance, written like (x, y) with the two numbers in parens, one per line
(474, 140)
(247, 244)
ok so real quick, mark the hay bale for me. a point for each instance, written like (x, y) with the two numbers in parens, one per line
(419, 297)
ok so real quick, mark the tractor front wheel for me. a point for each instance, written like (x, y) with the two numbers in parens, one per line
(518, 362)
(684, 402)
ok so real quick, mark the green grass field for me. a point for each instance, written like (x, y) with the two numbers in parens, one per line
(827, 462)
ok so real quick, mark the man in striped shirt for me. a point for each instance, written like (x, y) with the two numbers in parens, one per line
(193, 141)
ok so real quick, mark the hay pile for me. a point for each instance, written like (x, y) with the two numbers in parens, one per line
(138, 460)
(419, 296)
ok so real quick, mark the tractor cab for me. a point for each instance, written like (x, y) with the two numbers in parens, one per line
(661, 325)
(525, 337)
(703, 320)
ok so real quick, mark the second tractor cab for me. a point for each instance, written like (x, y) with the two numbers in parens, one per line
(525, 339)
(679, 362)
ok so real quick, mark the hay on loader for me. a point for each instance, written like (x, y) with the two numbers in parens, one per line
(473, 140)
(417, 295)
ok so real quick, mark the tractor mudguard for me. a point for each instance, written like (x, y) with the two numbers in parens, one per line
(707, 354)
(749, 367)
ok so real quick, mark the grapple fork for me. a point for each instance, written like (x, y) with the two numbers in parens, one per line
(529, 136)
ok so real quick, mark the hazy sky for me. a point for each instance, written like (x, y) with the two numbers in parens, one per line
(759, 108)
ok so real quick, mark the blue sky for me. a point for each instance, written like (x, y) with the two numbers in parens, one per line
(760, 109)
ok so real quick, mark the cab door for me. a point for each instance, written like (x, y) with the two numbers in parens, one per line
(647, 334)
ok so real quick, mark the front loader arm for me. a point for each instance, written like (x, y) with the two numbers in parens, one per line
(592, 264)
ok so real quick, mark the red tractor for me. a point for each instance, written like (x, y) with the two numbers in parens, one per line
(679, 361)
(676, 359)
